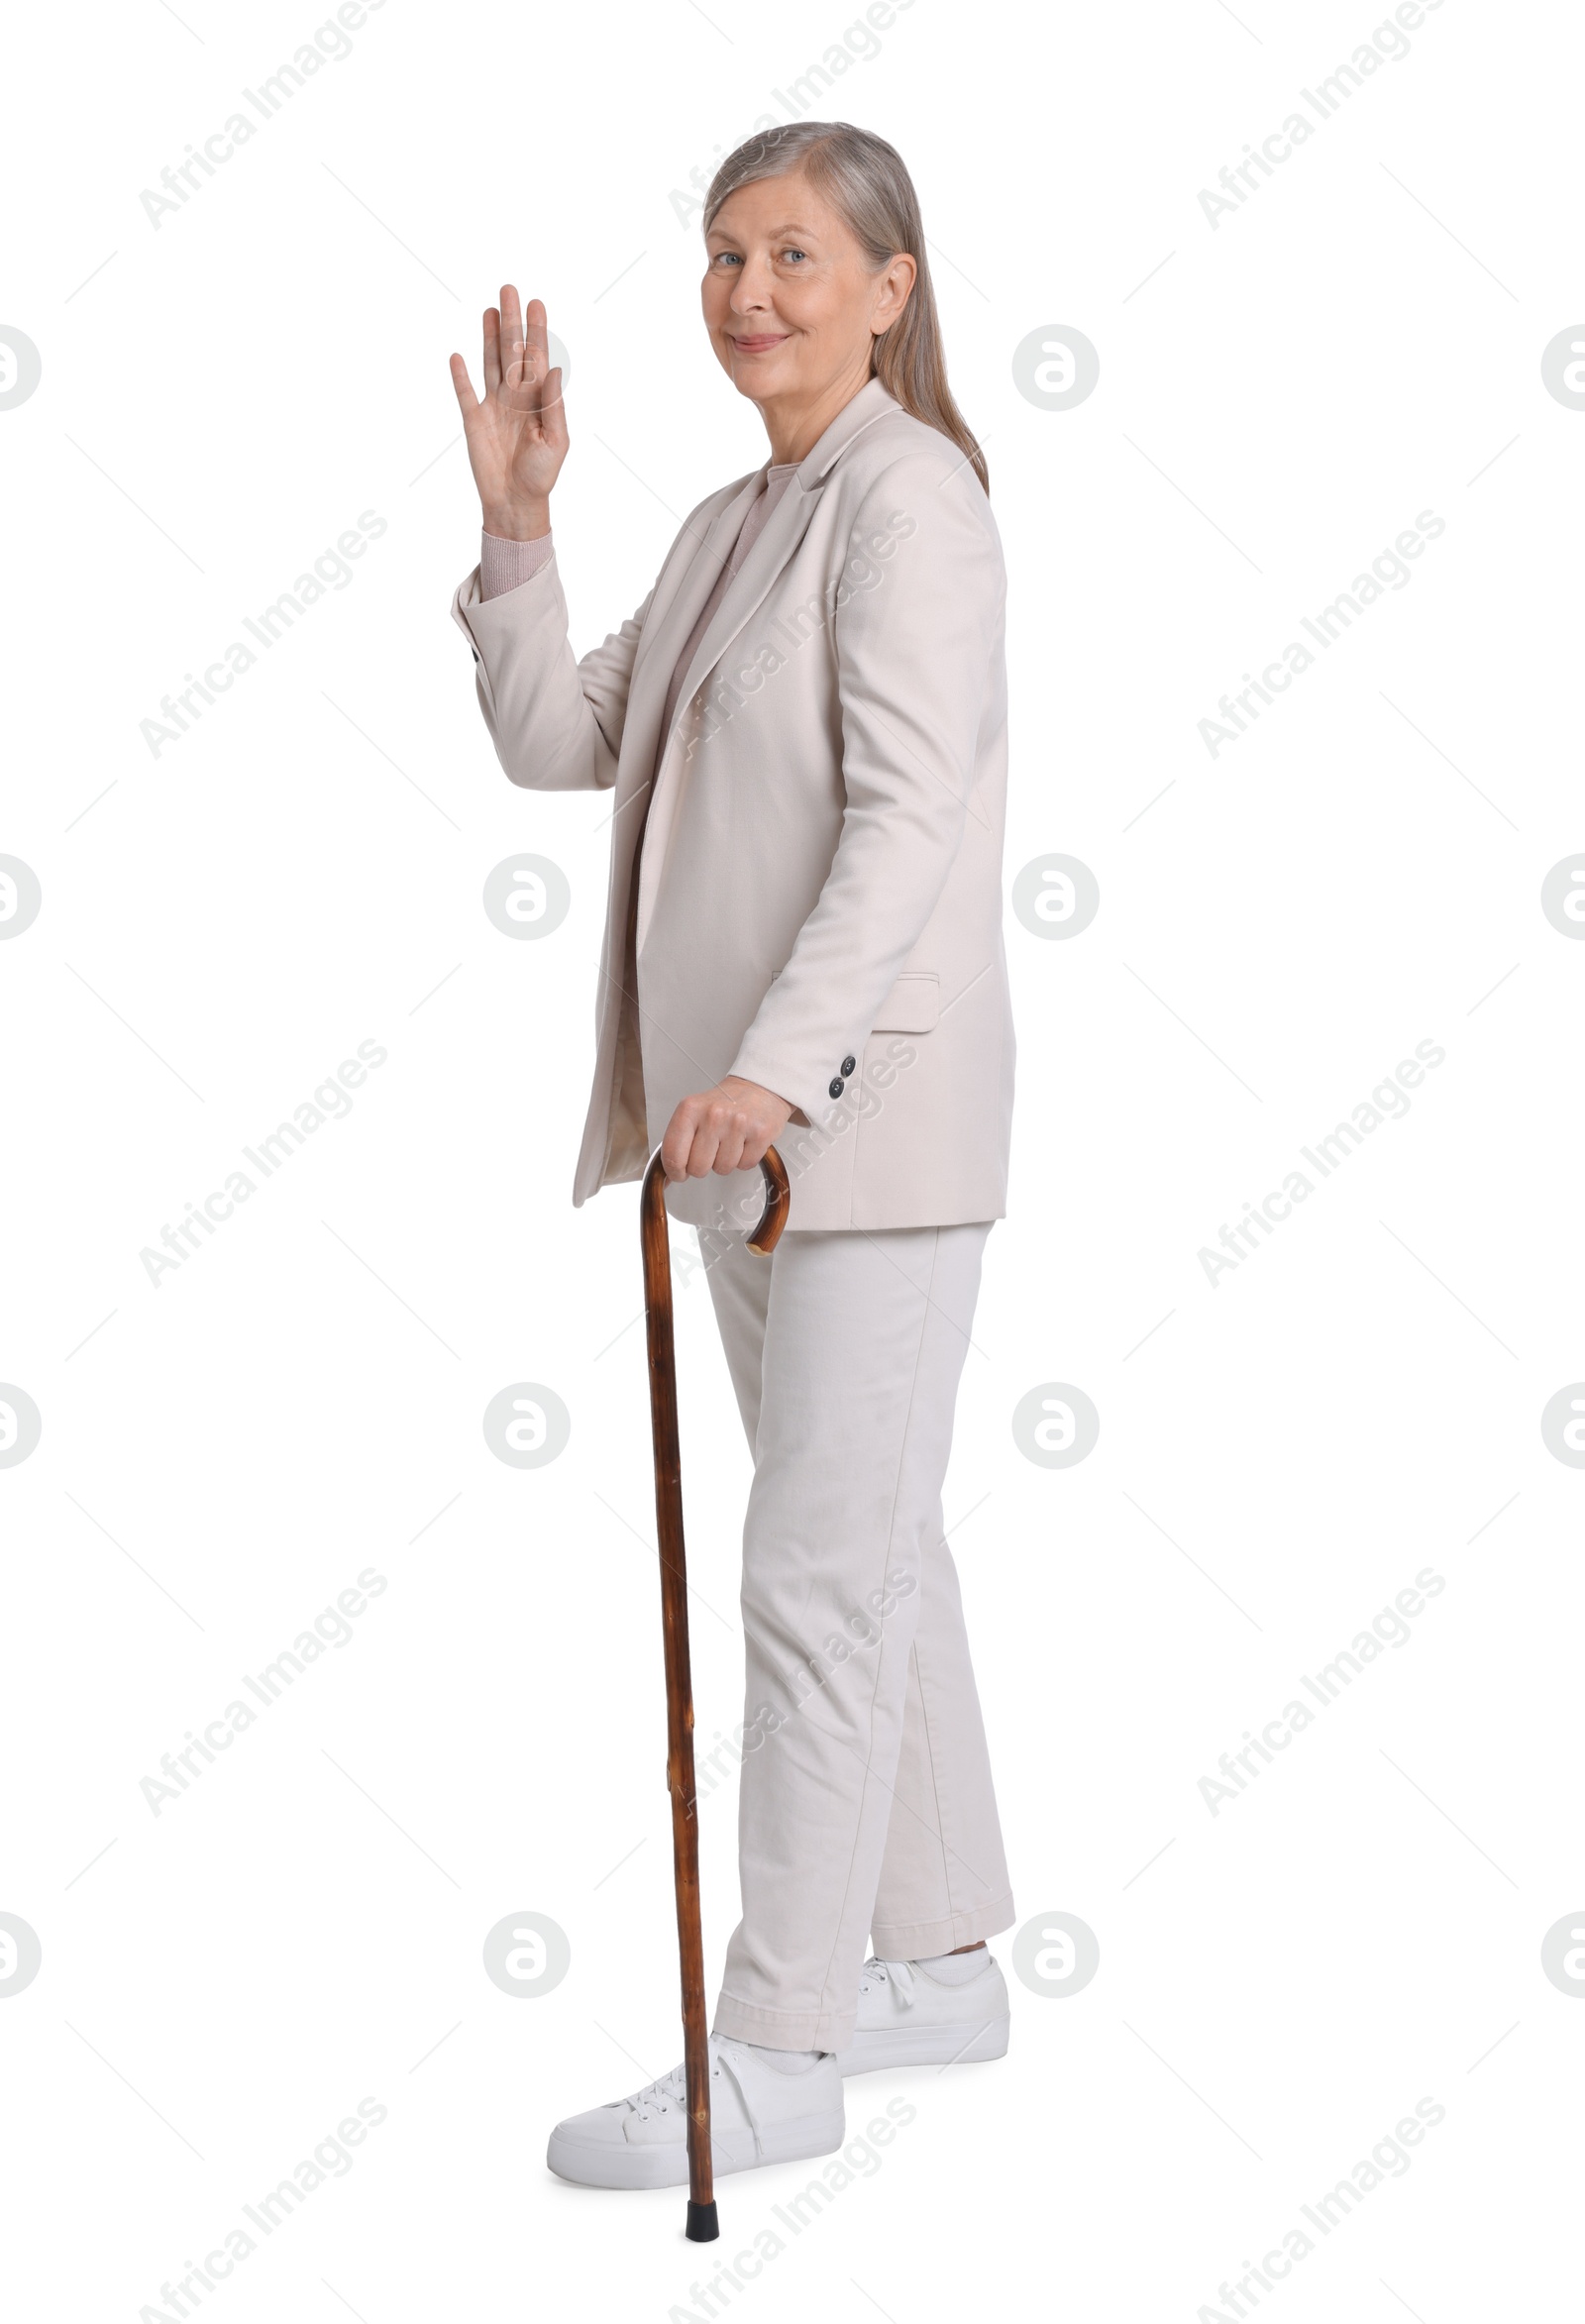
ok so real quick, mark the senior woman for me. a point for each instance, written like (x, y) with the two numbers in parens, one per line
(805, 727)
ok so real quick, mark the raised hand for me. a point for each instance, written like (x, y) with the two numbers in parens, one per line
(517, 430)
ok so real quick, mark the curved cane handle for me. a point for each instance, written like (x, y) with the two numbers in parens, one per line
(766, 1236)
(778, 1202)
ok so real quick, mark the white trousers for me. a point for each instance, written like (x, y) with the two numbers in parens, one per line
(867, 1806)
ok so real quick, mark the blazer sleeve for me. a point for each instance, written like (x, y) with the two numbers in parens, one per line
(914, 653)
(556, 721)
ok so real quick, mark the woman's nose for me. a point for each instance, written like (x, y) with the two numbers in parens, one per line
(751, 289)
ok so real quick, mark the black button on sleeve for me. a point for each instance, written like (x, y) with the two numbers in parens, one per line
(848, 1064)
(837, 1086)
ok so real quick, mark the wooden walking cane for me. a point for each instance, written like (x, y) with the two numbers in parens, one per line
(703, 2226)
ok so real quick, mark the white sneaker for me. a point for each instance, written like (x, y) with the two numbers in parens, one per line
(906, 2017)
(758, 2114)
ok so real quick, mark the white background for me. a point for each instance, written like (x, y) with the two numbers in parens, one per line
(1279, 397)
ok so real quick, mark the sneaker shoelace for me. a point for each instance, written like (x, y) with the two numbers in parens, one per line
(895, 1974)
(670, 2090)
(667, 2091)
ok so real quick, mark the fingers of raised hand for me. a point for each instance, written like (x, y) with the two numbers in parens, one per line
(463, 386)
(522, 361)
(552, 410)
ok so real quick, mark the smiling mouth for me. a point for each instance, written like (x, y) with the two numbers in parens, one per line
(760, 343)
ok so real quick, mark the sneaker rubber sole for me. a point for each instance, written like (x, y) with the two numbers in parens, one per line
(924, 2045)
(597, 2162)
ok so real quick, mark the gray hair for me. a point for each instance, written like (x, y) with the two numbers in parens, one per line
(867, 183)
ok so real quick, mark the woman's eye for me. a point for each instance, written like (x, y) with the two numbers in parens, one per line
(794, 253)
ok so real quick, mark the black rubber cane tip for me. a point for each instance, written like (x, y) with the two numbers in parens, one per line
(703, 2225)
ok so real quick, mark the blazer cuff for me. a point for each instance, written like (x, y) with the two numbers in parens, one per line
(506, 565)
(819, 1101)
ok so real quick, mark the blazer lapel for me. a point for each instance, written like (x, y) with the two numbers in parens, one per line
(745, 591)
(665, 640)
(744, 594)
(783, 530)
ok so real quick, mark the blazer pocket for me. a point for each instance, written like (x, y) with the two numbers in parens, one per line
(913, 1005)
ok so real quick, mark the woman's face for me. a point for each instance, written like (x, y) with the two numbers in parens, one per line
(789, 303)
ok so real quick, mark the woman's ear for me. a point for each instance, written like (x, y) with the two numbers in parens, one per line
(897, 287)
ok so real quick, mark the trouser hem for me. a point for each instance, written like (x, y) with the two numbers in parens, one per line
(832, 2029)
(920, 1940)
(785, 2029)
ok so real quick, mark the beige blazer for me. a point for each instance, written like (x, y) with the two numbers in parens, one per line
(819, 904)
